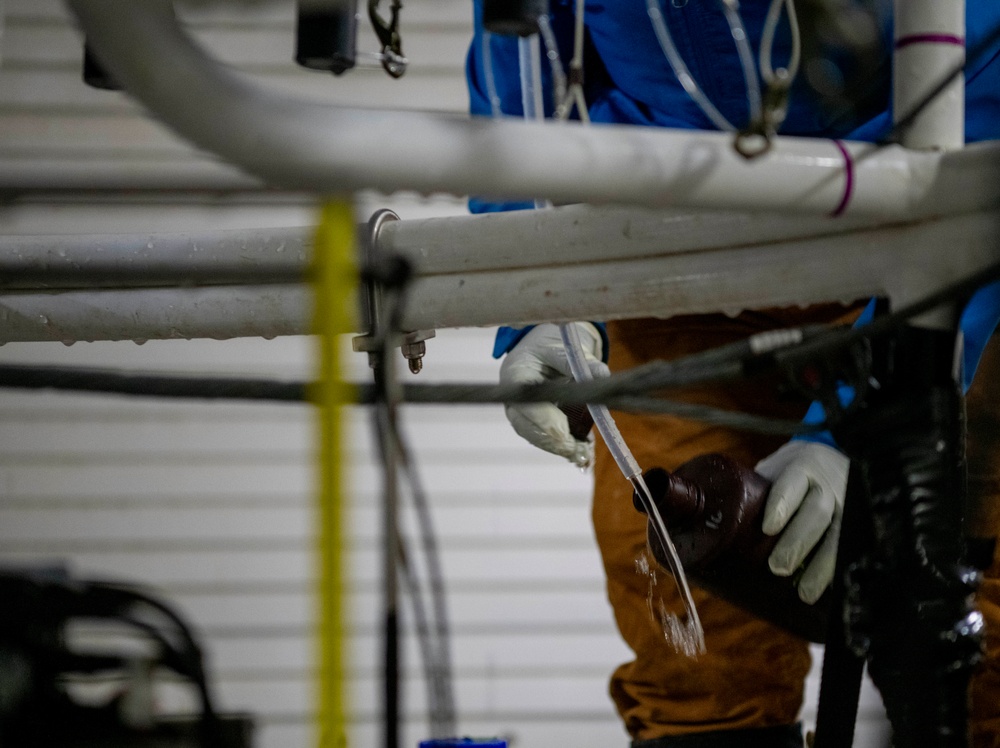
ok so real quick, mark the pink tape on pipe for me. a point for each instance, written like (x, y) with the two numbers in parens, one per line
(848, 179)
(906, 41)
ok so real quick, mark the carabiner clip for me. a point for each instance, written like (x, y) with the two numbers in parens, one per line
(393, 60)
(756, 139)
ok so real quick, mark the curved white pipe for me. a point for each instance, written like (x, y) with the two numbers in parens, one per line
(291, 142)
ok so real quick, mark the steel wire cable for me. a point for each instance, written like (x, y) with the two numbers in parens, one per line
(392, 276)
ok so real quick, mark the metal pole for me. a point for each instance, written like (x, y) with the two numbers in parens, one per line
(929, 44)
(912, 614)
(562, 264)
(186, 258)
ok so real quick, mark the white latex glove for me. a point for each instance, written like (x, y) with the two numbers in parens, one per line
(539, 357)
(808, 483)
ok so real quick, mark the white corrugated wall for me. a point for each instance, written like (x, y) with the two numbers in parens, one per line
(212, 503)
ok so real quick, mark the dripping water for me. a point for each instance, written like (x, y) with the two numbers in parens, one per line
(686, 636)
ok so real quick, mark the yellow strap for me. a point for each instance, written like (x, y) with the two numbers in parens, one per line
(336, 279)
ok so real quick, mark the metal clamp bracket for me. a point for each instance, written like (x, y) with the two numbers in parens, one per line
(411, 343)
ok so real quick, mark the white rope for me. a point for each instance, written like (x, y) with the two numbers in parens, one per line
(529, 55)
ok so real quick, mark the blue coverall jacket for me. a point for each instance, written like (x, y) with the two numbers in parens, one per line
(628, 80)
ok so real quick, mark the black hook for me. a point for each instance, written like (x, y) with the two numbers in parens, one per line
(393, 60)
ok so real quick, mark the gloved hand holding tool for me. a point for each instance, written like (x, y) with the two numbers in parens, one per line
(540, 357)
(805, 504)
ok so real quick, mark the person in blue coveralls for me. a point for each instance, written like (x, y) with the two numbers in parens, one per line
(748, 688)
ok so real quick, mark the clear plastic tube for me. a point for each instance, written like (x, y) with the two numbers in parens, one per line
(529, 55)
(555, 64)
(730, 9)
(602, 416)
(687, 636)
(491, 81)
(681, 69)
(529, 58)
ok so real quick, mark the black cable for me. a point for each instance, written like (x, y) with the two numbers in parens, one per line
(385, 399)
(833, 341)
(439, 674)
(21, 376)
(188, 660)
(221, 388)
(712, 416)
(187, 663)
(420, 618)
(390, 622)
(396, 274)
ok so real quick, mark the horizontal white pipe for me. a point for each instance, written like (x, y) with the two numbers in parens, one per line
(750, 262)
(220, 312)
(573, 234)
(134, 260)
(494, 241)
(302, 144)
(903, 262)
(18, 175)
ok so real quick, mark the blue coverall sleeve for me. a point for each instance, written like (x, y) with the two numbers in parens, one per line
(494, 54)
(498, 55)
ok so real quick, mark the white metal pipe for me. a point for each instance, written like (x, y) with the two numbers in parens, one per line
(929, 45)
(904, 262)
(178, 175)
(156, 313)
(435, 246)
(562, 236)
(574, 234)
(308, 145)
(186, 258)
